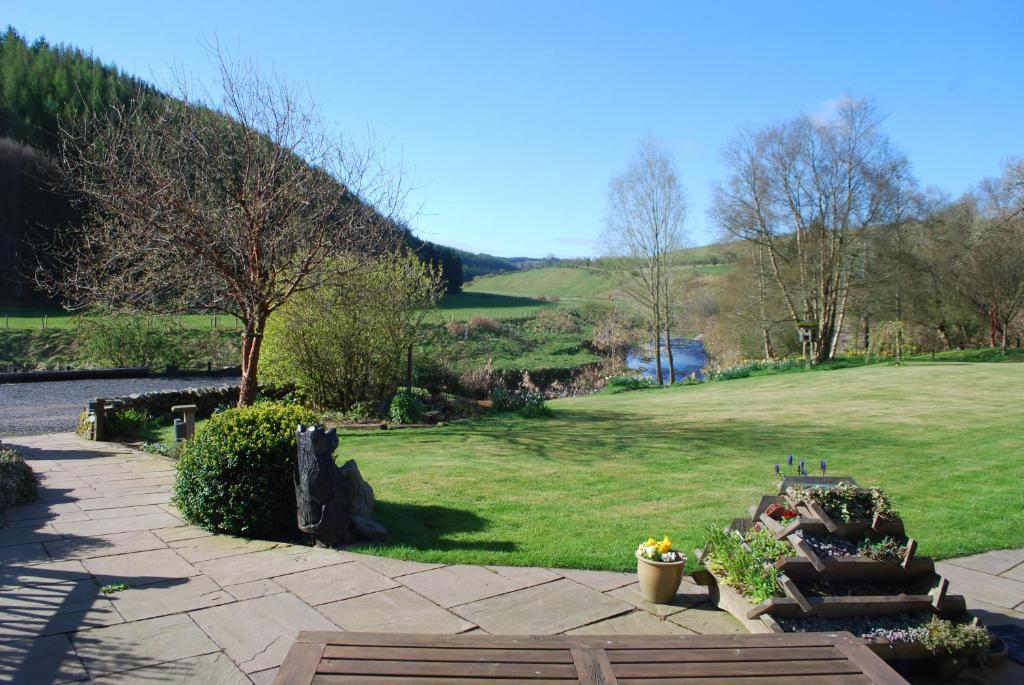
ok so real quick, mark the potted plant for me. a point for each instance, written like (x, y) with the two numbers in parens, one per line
(659, 569)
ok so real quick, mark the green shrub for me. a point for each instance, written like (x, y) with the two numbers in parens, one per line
(617, 384)
(406, 407)
(17, 482)
(130, 340)
(235, 475)
(130, 423)
(527, 404)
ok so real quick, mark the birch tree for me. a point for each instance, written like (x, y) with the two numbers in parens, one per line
(644, 224)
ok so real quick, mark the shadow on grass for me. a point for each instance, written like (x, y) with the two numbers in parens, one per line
(428, 527)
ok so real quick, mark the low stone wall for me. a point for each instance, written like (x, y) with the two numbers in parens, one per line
(159, 402)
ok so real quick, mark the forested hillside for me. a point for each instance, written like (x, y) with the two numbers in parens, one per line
(43, 86)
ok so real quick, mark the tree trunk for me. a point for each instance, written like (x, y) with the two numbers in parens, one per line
(668, 351)
(408, 370)
(992, 326)
(657, 347)
(252, 341)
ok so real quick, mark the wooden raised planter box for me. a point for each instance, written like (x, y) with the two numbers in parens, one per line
(803, 569)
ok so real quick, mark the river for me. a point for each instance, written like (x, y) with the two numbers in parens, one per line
(688, 356)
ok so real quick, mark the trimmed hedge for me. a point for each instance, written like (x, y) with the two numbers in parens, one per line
(17, 482)
(235, 475)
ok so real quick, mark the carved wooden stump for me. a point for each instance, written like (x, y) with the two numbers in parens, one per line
(335, 504)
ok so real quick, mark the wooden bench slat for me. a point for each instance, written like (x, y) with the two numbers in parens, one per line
(627, 656)
(338, 658)
(844, 679)
(460, 654)
(300, 663)
(737, 668)
(446, 669)
(328, 679)
(476, 641)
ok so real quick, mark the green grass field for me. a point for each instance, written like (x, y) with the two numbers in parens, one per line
(550, 281)
(464, 306)
(582, 488)
(17, 317)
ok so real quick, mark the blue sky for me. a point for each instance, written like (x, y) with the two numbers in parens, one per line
(513, 116)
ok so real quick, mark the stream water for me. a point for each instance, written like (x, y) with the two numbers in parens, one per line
(688, 357)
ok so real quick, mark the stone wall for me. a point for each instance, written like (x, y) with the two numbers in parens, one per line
(159, 402)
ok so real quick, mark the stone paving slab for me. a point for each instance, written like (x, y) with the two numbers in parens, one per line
(257, 633)
(42, 660)
(169, 597)
(543, 609)
(333, 583)
(399, 610)
(217, 609)
(138, 644)
(208, 669)
(451, 585)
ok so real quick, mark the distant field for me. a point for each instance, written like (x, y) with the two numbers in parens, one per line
(18, 317)
(464, 306)
(550, 281)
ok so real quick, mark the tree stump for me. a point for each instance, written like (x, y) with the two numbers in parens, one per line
(335, 504)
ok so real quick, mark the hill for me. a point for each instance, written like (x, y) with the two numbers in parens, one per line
(608, 470)
(549, 282)
(42, 87)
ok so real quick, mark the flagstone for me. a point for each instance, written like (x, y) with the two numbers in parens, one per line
(140, 568)
(257, 633)
(635, 623)
(32, 553)
(179, 533)
(399, 610)
(602, 581)
(208, 669)
(39, 510)
(525, 575)
(32, 610)
(392, 568)
(169, 597)
(689, 595)
(124, 512)
(707, 619)
(104, 545)
(42, 573)
(332, 583)
(1002, 591)
(547, 609)
(207, 548)
(70, 517)
(124, 501)
(449, 586)
(41, 660)
(141, 643)
(255, 588)
(268, 564)
(995, 562)
(22, 536)
(120, 525)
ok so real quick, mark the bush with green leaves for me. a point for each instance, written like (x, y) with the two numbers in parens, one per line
(406, 407)
(129, 340)
(617, 384)
(130, 423)
(17, 482)
(235, 475)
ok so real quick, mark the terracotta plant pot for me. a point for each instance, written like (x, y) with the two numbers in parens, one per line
(659, 580)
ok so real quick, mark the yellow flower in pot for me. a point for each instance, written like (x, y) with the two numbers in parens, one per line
(659, 569)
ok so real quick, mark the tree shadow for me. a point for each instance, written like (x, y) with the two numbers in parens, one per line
(429, 527)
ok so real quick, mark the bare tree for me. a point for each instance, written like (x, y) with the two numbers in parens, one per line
(228, 204)
(804, 190)
(643, 226)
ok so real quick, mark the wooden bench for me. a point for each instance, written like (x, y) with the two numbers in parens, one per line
(340, 658)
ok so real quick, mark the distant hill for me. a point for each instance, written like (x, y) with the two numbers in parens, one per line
(41, 86)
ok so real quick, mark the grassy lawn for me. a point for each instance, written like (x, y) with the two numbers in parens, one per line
(582, 488)
(19, 317)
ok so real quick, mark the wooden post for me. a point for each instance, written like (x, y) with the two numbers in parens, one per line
(99, 419)
(188, 417)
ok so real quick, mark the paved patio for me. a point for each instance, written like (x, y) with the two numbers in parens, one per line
(216, 609)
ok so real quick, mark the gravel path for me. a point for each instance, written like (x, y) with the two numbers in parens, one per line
(54, 407)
